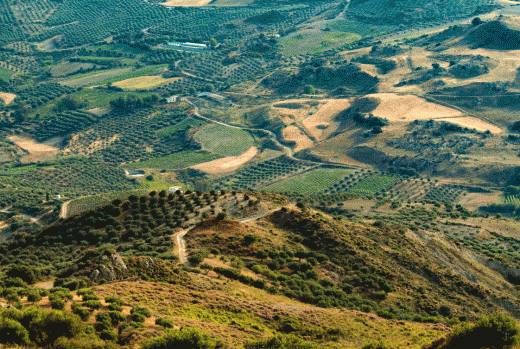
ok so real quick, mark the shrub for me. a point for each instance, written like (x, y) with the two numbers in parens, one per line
(100, 317)
(90, 297)
(57, 304)
(250, 239)
(108, 335)
(23, 272)
(103, 325)
(83, 313)
(280, 342)
(115, 307)
(116, 317)
(183, 338)
(376, 345)
(137, 317)
(166, 323)
(82, 343)
(198, 257)
(94, 305)
(141, 310)
(113, 299)
(53, 324)
(12, 332)
(34, 297)
(497, 331)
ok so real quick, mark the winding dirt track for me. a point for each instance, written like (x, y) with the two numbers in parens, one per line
(181, 241)
(181, 244)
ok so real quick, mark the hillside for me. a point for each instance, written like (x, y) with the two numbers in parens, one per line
(259, 175)
(289, 270)
(495, 35)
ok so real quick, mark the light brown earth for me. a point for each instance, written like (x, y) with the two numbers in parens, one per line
(99, 111)
(290, 114)
(408, 108)
(144, 82)
(227, 164)
(186, 3)
(320, 124)
(95, 78)
(474, 123)
(37, 151)
(472, 201)
(7, 97)
(294, 134)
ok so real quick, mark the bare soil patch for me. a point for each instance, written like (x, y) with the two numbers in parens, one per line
(294, 134)
(320, 124)
(474, 123)
(7, 97)
(186, 3)
(408, 108)
(144, 82)
(99, 111)
(37, 151)
(473, 201)
(295, 109)
(227, 164)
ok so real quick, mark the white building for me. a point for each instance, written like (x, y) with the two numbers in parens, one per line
(173, 190)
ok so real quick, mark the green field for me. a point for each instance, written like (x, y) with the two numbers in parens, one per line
(315, 42)
(310, 182)
(373, 185)
(224, 140)
(90, 202)
(98, 98)
(179, 160)
(135, 74)
(359, 28)
(183, 125)
(5, 74)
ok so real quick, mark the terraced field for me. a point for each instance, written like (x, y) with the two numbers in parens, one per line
(313, 181)
(374, 185)
(177, 160)
(264, 173)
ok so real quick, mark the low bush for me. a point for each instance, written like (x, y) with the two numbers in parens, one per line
(183, 338)
(280, 342)
(166, 323)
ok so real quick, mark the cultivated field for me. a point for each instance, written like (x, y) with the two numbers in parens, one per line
(7, 97)
(178, 160)
(95, 78)
(312, 41)
(68, 68)
(144, 82)
(227, 164)
(310, 182)
(224, 140)
(408, 108)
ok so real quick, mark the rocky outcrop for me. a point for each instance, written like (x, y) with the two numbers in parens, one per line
(6, 306)
(110, 268)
